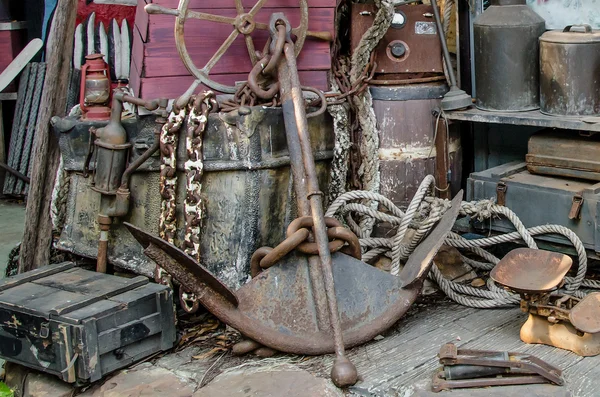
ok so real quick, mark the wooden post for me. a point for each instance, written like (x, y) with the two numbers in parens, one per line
(442, 160)
(35, 247)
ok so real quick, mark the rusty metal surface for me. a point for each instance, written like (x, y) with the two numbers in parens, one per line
(277, 308)
(585, 316)
(420, 50)
(420, 261)
(246, 183)
(507, 58)
(343, 372)
(530, 270)
(512, 369)
(565, 155)
(405, 148)
(569, 64)
(155, 247)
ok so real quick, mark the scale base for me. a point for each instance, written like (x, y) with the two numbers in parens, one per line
(538, 329)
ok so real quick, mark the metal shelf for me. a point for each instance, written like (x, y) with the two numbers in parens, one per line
(532, 118)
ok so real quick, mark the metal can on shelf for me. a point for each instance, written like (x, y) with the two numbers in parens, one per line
(506, 51)
(570, 71)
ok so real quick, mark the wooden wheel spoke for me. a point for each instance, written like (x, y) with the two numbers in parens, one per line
(210, 17)
(243, 23)
(257, 7)
(251, 49)
(219, 53)
(239, 7)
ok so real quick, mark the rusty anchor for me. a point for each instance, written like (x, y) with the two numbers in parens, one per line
(555, 319)
(308, 295)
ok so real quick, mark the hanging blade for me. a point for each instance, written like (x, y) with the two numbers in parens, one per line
(114, 50)
(125, 50)
(90, 39)
(78, 44)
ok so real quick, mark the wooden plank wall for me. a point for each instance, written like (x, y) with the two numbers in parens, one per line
(157, 70)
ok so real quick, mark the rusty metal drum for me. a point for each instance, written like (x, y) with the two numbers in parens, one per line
(506, 52)
(407, 150)
(570, 71)
(247, 187)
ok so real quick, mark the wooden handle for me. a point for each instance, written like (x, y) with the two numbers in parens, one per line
(156, 9)
(320, 35)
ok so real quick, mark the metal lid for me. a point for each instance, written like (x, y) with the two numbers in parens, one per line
(572, 34)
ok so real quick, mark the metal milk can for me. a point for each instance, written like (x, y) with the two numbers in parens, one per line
(570, 71)
(506, 56)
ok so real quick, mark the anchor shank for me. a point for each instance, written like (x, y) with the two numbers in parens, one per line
(299, 177)
(344, 372)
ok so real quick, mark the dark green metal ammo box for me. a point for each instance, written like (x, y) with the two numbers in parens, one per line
(81, 325)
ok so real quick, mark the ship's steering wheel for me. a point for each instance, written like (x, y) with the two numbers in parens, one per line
(244, 23)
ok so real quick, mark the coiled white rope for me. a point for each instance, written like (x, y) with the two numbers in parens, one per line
(422, 214)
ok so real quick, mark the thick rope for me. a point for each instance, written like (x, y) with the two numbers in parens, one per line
(421, 216)
(341, 150)
(60, 192)
(369, 144)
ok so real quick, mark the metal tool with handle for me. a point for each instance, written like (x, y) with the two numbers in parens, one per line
(464, 368)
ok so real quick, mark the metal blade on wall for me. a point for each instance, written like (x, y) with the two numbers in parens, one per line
(90, 24)
(125, 50)
(102, 41)
(114, 49)
(114, 44)
(78, 47)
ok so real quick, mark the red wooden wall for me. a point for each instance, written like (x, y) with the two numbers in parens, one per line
(157, 70)
(104, 12)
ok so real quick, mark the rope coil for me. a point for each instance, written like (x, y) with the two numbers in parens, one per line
(423, 213)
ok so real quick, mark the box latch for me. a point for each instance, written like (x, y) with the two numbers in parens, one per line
(44, 330)
(576, 206)
(501, 193)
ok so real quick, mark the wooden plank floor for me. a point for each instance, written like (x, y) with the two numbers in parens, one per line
(403, 362)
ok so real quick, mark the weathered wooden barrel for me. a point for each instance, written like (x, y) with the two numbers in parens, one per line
(406, 139)
(246, 183)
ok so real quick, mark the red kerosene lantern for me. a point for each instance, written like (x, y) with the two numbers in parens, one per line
(94, 95)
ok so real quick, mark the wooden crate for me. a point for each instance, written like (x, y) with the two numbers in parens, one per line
(157, 70)
(81, 325)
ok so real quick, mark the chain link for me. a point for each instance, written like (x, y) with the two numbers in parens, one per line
(168, 183)
(203, 104)
(199, 108)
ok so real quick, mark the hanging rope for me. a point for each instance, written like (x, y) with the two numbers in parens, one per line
(58, 203)
(422, 214)
(341, 150)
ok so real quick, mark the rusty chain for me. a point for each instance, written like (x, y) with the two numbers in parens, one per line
(298, 237)
(203, 104)
(262, 88)
(200, 107)
(197, 110)
(168, 183)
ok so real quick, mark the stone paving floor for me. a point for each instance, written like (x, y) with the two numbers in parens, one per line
(12, 224)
